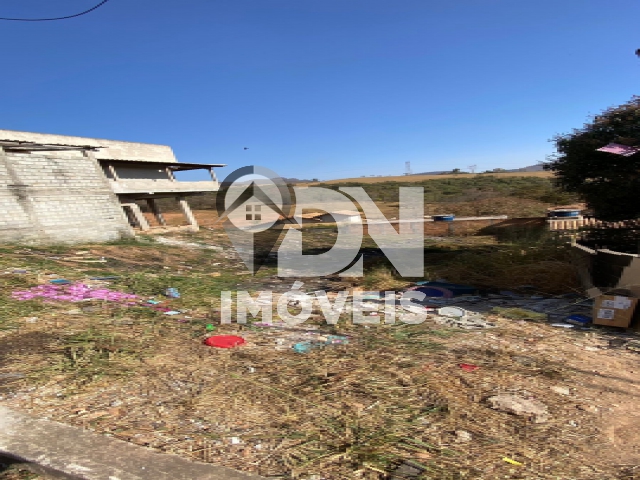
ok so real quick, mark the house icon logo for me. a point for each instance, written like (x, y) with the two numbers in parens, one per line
(254, 204)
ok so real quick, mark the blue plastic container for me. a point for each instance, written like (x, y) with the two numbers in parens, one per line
(581, 320)
(443, 218)
(564, 214)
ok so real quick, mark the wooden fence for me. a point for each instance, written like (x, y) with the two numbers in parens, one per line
(592, 223)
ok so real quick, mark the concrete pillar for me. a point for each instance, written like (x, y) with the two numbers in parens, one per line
(139, 216)
(130, 216)
(153, 206)
(188, 213)
(114, 174)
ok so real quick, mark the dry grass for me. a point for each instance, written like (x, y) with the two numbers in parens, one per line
(394, 394)
(548, 268)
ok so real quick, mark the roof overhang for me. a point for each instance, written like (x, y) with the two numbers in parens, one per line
(174, 166)
(16, 146)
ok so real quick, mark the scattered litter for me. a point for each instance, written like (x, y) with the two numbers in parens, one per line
(305, 347)
(11, 375)
(520, 406)
(60, 281)
(224, 341)
(210, 327)
(172, 293)
(633, 345)
(468, 367)
(467, 322)
(154, 302)
(511, 461)
(452, 312)
(463, 436)
(104, 278)
(235, 441)
(561, 390)
(31, 320)
(173, 312)
(562, 325)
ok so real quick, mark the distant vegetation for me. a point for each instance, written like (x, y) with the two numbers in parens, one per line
(516, 196)
(609, 182)
(470, 188)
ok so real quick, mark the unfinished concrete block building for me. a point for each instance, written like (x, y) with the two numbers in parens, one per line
(60, 189)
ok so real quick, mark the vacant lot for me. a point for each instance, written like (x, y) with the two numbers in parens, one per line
(394, 395)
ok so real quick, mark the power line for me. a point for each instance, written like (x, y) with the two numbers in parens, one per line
(56, 18)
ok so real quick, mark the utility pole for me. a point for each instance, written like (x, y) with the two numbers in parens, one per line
(472, 168)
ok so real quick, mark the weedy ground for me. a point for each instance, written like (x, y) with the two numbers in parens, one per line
(395, 395)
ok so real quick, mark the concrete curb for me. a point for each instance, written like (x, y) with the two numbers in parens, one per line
(66, 452)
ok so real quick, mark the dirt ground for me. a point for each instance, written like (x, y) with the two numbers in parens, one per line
(394, 395)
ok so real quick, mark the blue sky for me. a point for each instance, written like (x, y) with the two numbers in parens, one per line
(321, 88)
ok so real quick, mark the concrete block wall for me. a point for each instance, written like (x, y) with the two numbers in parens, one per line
(57, 197)
(111, 149)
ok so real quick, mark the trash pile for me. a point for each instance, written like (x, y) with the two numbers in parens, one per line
(462, 306)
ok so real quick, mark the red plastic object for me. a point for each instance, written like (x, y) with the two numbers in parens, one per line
(467, 367)
(224, 341)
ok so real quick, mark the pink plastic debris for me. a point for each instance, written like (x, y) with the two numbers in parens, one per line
(75, 292)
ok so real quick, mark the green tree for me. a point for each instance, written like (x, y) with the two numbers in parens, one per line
(609, 183)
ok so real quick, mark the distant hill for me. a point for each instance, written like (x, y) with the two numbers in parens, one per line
(297, 180)
(440, 172)
(531, 168)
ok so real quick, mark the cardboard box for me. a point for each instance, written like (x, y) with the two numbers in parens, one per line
(614, 310)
